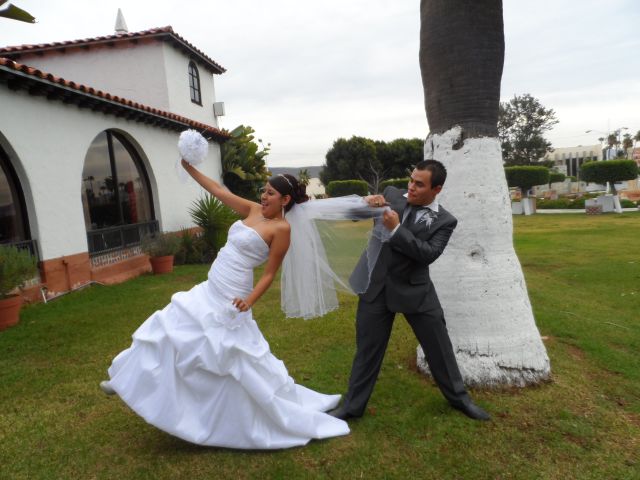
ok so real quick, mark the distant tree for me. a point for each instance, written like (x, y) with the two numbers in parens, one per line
(610, 171)
(371, 160)
(244, 169)
(400, 155)
(14, 13)
(555, 177)
(627, 143)
(525, 177)
(303, 176)
(636, 137)
(522, 121)
(353, 159)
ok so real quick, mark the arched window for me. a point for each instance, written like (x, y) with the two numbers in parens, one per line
(14, 227)
(116, 194)
(194, 84)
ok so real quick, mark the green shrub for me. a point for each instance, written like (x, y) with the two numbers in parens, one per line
(340, 188)
(244, 168)
(394, 182)
(555, 177)
(577, 203)
(525, 177)
(16, 267)
(561, 203)
(160, 244)
(215, 218)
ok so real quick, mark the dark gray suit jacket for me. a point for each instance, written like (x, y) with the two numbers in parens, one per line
(402, 268)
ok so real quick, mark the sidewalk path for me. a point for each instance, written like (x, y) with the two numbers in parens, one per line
(576, 210)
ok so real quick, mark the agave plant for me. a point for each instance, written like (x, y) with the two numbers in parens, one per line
(191, 248)
(214, 218)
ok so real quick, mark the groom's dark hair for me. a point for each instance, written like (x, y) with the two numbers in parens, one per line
(438, 172)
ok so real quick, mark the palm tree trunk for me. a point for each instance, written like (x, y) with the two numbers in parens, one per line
(479, 278)
(461, 58)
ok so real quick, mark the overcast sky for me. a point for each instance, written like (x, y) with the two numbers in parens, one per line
(303, 74)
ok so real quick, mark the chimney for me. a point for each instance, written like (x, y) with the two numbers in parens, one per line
(121, 25)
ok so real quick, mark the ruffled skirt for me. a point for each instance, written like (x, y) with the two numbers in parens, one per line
(203, 372)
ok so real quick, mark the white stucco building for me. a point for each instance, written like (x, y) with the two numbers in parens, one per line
(568, 160)
(88, 147)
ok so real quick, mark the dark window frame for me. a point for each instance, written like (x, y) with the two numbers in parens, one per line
(137, 160)
(195, 89)
(18, 197)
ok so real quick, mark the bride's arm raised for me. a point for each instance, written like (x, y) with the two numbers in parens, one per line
(241, 205)
(277, 251)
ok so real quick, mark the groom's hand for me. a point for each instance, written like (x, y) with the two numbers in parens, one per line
(390, 219)
(375, 201)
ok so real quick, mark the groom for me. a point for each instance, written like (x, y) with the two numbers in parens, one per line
(399, 282)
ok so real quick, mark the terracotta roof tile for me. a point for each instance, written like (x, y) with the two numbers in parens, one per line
(58, 82)
(161, 33)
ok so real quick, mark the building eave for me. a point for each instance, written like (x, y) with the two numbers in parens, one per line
(161, 34)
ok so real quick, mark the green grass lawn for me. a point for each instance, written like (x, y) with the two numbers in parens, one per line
(583, 275)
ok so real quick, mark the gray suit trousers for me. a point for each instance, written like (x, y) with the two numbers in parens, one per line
(374, 322)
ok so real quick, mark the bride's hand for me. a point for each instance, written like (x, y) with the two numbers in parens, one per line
(241, 304)
(185, 164)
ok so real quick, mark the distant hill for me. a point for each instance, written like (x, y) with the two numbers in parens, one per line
(314, 171)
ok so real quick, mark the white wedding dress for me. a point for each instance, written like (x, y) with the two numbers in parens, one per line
(202, 371)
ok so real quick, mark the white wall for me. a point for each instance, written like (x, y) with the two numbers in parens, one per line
(315, 187)
(135, 72)
(47, 142)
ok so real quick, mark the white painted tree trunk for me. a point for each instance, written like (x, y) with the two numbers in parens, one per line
(616, 204)
(479, 279)
(528, 205)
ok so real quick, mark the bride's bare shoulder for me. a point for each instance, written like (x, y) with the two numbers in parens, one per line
(283, 227)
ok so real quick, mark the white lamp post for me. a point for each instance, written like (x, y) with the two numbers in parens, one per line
(605, 156)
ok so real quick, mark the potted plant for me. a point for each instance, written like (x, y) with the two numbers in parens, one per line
(16, 267)
(161, 248)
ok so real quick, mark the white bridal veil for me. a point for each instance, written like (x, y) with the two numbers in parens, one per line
(323, 252)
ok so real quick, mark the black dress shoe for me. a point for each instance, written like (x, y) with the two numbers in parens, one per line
(341, 413)
(472, 410)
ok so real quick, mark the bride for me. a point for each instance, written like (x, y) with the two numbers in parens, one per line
(200, 369)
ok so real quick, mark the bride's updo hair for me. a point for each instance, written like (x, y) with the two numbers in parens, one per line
(287, 184)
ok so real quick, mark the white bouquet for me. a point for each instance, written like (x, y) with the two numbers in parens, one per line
(193, 147)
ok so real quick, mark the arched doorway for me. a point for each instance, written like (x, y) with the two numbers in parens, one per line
(116, 195)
